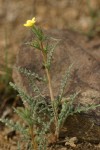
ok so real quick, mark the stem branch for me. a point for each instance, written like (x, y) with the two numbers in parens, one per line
(51, 91)
(34, 144)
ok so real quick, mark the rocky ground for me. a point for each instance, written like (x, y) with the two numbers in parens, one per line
(54, 16)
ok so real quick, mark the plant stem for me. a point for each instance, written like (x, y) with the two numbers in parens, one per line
(51, 91)
(34, 144)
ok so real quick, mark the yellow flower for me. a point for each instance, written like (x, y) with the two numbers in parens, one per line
(30, 23)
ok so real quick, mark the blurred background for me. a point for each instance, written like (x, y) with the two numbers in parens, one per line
(78, 15)
(82, 16)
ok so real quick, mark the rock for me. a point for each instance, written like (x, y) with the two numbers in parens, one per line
(73, 48)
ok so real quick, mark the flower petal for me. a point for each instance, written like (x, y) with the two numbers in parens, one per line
(30, 23)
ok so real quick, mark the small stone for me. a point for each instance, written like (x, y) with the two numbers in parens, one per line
(72, 142)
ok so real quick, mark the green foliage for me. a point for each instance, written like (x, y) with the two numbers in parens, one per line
(6, 73)
(67, 109)
(29, 73)
(86, 108)
(50, 49)
(34, 114)
(15, 126)
(38, 114)
(6, 69)
(64, 81)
